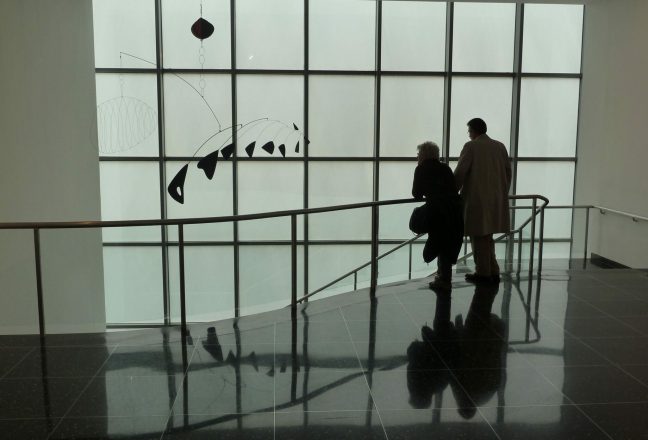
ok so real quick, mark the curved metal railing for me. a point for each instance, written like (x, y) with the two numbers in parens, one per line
(181, 222)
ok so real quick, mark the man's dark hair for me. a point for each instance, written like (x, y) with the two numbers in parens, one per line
(478, 126)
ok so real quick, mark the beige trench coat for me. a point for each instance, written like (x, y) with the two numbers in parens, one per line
(483, 175)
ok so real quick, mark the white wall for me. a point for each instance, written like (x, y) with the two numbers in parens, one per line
(49, 168)
(612, 169)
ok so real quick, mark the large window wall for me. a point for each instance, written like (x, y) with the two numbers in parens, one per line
(363, 82)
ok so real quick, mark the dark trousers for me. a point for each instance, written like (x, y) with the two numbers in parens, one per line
(484, 255)
(444, 268)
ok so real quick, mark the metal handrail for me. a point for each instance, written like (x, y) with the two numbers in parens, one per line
(180, 223)
(460, 259)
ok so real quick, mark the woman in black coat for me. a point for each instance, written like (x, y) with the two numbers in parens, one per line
(434, 182)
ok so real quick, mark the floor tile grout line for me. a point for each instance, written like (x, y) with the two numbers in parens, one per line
(185, 372)
(608, 315)
(375, 405)
(4, 376)
(85, 388)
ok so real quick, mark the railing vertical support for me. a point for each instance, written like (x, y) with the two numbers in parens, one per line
(409, 270)
(533, 222)
(587, 213)
(293, 260)
(39, 283)
(183, 310)
(541, 241)
(374, 251)
(519, 251)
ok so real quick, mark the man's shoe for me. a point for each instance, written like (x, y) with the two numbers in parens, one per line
(440, 284)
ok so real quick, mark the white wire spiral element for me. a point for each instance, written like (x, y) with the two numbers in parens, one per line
(124, 123)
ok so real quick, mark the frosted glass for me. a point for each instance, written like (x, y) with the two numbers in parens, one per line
(486, 98)
(265, 187)
(395, 266)
(411, 112)
(270, 34)
(279, 101)
(413, 35)
(340, 183)
(328, 262)
(209, 283)
(130, 191)
(191, 119)
(554, 180)
(265, 274)
(341, 111)
(552, 38)
(342, 34)
(181, 48)
(396, 183)
(127, 121)
(133, 283)
(548, 117)
(484, 36)
(124, 26)
(421, 269)
(202, 198)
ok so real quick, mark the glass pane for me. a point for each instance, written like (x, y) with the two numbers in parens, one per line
(127, 119)
(124, 26)
(342, 34)
(270, 35)
(341, 112)
(484, 36)
(130, 191)
(413, 35)
(548, 117)
(340, 183)
(486, 98)
(133, 283)
(265, 273)
(395, 266)
(209, 283)
(268, 106)
(554, 180)
(396, 183)
(411, 112)
(202, 198)
(328, 262)
(197, 124)
(265, 187)
(182, 48)
(552, 38)
(421, 269)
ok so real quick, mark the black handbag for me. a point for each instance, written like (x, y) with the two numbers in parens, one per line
(419, 222)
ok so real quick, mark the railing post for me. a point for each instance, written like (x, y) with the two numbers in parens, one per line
(39, 283)
(541, 241)
(374, 251)
(293, 260)
(183, 310)
(532, 250)
(520, 241)
(409, 271)
(587, 211)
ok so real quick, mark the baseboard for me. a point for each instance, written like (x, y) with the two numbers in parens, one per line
(606, 263)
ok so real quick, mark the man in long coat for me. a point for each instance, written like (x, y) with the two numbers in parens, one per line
(483, 176)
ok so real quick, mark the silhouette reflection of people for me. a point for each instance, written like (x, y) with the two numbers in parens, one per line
(466, 355)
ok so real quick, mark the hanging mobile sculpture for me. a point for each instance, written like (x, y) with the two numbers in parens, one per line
(203, 29)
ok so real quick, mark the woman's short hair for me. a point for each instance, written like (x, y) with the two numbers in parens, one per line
(428, 150)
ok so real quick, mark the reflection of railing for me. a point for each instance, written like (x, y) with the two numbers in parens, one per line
(535, 211)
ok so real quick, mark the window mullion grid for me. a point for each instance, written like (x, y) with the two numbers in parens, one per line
(305, 137)
(166, 297)
(447, 92)
(235, 211)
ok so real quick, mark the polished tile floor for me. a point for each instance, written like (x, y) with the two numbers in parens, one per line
(565, 357)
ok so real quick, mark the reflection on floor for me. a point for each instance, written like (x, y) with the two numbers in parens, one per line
(561, 358)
